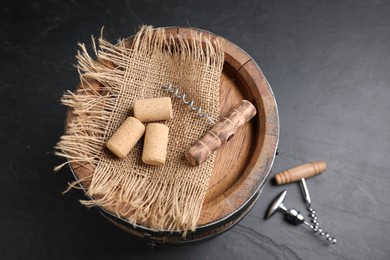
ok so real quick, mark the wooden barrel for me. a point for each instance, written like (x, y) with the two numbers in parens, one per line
(242, 165)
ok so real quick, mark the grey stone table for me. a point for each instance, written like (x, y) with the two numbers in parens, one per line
(328, 63)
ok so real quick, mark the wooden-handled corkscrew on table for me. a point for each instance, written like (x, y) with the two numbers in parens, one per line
(299, 173)
(220, 133)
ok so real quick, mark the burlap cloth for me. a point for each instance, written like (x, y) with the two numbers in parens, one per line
(161, 198)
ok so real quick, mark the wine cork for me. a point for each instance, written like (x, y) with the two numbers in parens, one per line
(127, 135)
(154, 109)
(155, 144)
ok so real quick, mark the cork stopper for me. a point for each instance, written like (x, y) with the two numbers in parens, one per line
(127, 135)
(155, 144)
(154, 109)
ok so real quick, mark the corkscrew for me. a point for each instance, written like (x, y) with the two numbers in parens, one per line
(295, 217)
(292, 215)
(220, 132)
(188, 101)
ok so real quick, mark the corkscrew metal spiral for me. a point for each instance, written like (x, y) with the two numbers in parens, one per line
(315, 226)
(188, 101)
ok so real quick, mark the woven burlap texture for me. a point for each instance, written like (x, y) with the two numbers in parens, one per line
(161, 198)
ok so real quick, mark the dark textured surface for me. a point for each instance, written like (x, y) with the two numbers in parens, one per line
(328, 63)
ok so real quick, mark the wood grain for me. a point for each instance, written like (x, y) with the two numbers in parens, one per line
(302, 171)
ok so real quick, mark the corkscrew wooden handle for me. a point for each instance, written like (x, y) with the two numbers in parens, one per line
(220, 133)
(299, 172)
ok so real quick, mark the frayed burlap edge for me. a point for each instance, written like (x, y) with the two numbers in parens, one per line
(174, 205)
